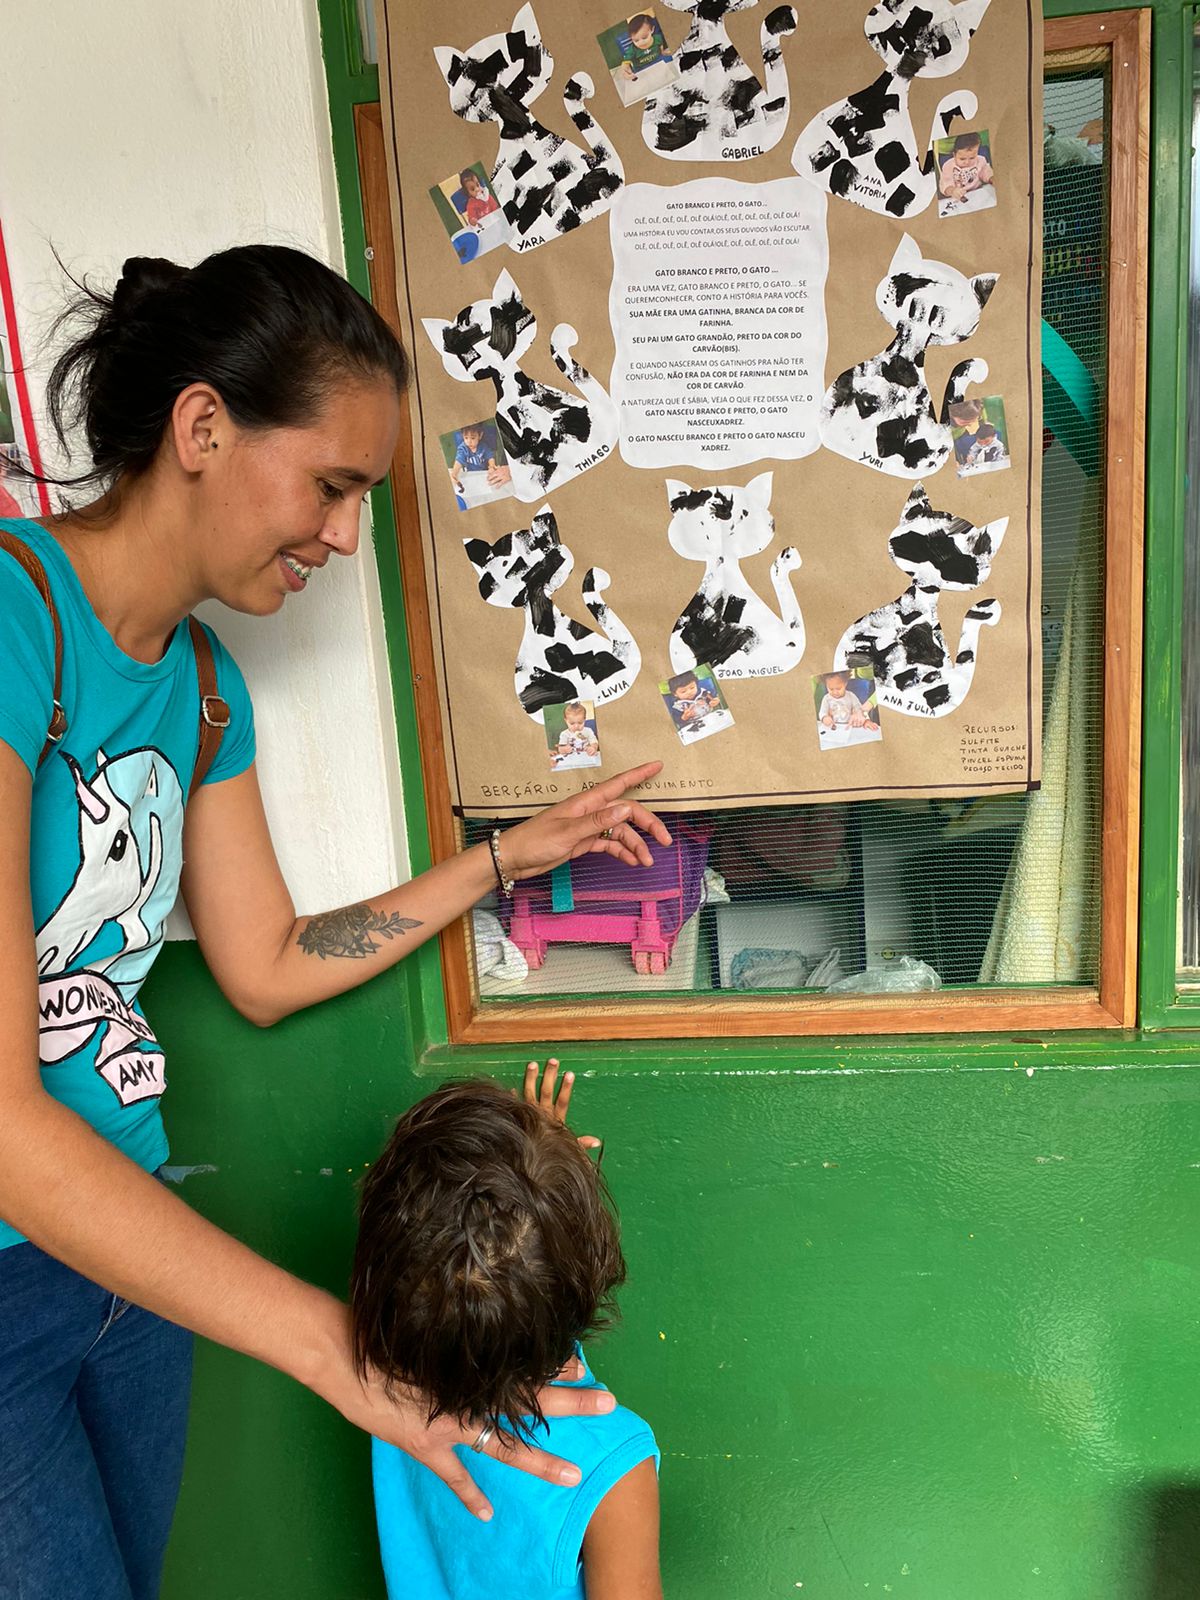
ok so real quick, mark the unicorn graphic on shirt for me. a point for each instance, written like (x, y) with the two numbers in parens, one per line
(130, 816)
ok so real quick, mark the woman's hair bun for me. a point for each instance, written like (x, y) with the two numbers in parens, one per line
(142, 277)
(272, 330)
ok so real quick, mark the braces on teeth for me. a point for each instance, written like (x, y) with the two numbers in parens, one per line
(298, 568)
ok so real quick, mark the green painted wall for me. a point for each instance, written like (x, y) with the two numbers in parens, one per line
(916, 1318)
(934, 1328)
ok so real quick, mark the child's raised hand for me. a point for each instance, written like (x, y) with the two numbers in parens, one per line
(553, 1097)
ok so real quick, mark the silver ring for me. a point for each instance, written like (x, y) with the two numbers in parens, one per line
(485, 1433)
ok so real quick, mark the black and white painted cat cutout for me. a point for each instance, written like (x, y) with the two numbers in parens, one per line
(717, 110)
(546, 185)
(549, 436)
(880, 412)
(864, 148)
(558, 658)
(725, 624)
(903, 641)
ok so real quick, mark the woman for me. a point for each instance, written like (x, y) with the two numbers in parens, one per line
(236, 415)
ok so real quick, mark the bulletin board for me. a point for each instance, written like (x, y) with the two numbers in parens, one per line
(727, 401)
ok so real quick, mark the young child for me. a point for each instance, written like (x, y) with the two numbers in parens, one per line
(646, 47)
(840, 708)
(474, 453)
(966, 169)
(967, 415)
(692, 703)
(480, 203)
(487, 1251)
(988, 449)
(576, 739)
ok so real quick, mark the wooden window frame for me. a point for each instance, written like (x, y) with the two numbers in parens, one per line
(1123, 39)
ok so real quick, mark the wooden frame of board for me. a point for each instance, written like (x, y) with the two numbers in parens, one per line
(1122, 40)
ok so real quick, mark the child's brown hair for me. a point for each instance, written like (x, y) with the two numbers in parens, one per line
(487, 1246)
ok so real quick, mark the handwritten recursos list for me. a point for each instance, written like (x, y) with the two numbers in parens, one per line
(718, 313)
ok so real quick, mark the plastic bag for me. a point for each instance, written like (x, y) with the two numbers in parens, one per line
(905, 976)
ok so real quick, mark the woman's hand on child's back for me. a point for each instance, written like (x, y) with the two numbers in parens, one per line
(401, 1417)
(552, 1103)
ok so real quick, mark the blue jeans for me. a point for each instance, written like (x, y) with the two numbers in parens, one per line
(93, 1413)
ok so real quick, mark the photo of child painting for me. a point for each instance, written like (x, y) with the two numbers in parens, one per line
(696, 704)
(980, 435)
(966, 179)
(846, 708)
(470, 213)
(636, 55)
(571, 735)
(476, 464)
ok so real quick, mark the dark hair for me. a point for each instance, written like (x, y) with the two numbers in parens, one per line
(469, 172)
(269, 327)
(987, 430)
(487, 1246)
(967, 141)
(961, 412)
(636, 24)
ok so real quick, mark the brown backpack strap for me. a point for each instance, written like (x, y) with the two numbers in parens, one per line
(214, 712)
(20, 551)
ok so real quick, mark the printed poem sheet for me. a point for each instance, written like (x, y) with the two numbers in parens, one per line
(717, 307)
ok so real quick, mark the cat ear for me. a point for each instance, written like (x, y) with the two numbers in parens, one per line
(996, 531)
(478, 552)
(505, 287)
(436, 328)
(908, 254)
(525, 22)
(676, 489)
(759, 489)
(917, 503)
(969, 14)
(449, 62)
(545, 522)
(983, 286)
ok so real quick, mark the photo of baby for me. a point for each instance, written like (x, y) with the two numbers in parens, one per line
(696, 704)
(476, 463)
(846, 710)
(470, 213)
(636, 55)
(571, 735)
(980, 436)
(966, 181)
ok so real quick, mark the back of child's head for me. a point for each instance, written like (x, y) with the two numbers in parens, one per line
(487, 1247)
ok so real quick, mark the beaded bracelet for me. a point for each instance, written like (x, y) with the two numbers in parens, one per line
(507, 885)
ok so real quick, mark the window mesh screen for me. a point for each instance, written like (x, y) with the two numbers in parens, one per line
(879, 895)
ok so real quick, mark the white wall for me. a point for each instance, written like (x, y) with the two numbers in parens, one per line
(162, 127)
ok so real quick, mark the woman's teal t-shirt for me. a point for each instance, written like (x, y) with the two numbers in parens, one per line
(106, 835)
